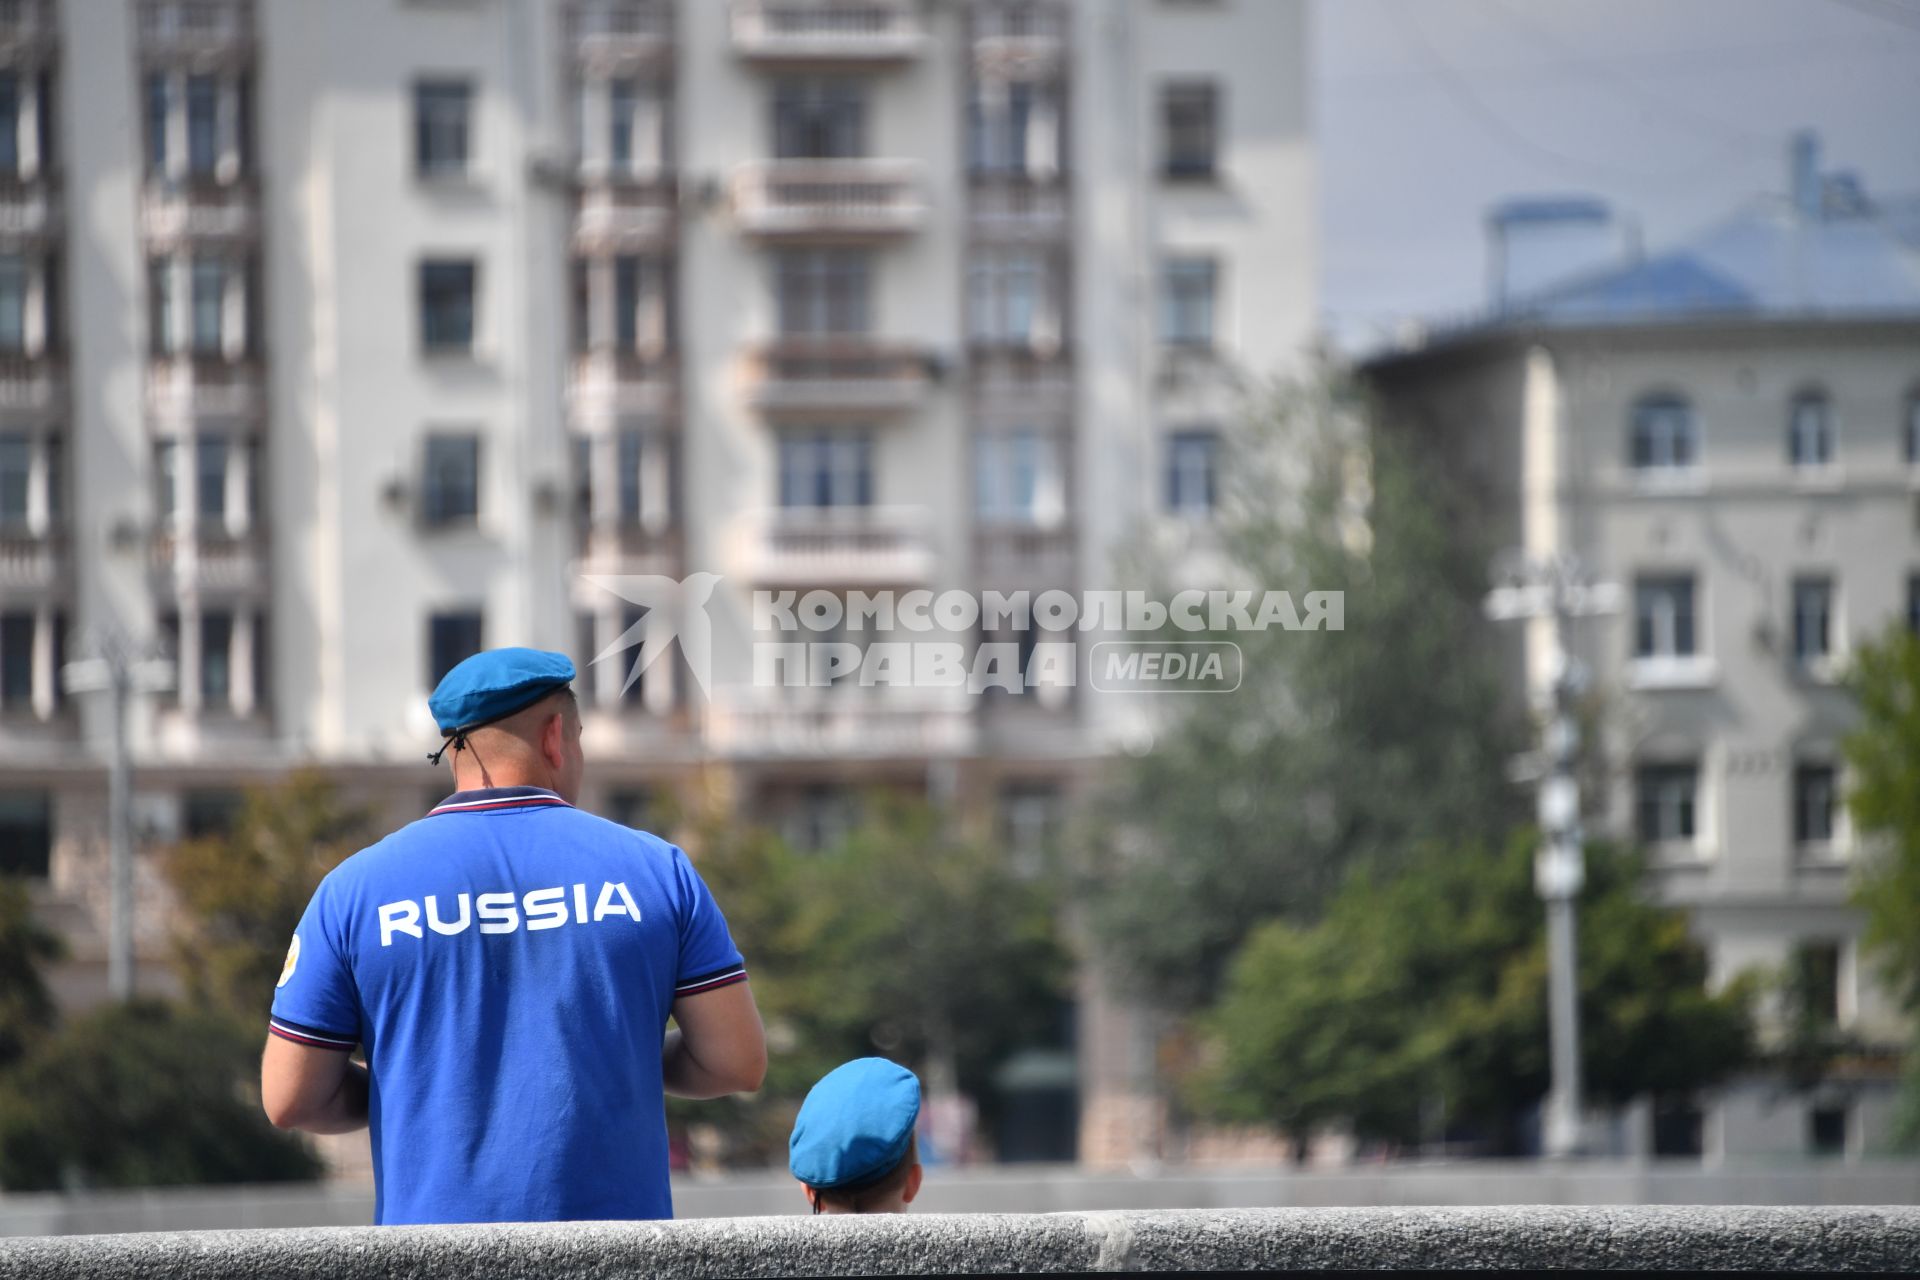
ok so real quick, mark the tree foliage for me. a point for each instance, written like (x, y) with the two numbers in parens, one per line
(1883, 758)
(1418, 1004)
(1342, 748)
(141, 1095)
(241, 893)
(26, 1009)
(905, 941)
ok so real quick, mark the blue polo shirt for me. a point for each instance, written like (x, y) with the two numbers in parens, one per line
(508, 963)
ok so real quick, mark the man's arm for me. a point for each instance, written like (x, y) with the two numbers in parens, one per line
(719, 1048)
(319, 1090)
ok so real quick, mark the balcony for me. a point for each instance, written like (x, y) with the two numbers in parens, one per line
(32, 383)
(1017, 209)
(839, 728)
(622, 214)
(834, 546)
(1024, 381)
(30, 563)
(609, 37)
(214, 561)
(202, 33)
(831, 199)
(612, 382)
(836, 375)
(629, 547)
(1032, 555)
(202, 208)
(1018, 39)
(29, 208)
(844, 31)
(187, 385)
(28, 30)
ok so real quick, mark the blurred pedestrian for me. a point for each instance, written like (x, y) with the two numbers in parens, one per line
(509, 962)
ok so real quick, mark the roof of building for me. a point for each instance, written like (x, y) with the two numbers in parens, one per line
(1768, 261)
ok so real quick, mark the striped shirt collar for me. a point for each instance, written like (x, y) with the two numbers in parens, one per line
(488, 798)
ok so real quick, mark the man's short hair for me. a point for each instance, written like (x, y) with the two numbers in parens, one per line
(860, 1196)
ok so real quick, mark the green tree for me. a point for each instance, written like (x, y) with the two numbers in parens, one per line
(1419, 1003)
(241, 893)
(26, 1009)
(1883, 758)
(905, 941)
(139, 1095)
(1342, 748)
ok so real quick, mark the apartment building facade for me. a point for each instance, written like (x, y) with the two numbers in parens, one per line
(339, 340)
(1729, 431)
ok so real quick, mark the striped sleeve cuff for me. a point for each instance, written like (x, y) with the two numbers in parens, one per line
(711, 981)
(313, 1036)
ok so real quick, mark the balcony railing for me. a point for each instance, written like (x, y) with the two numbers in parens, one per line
(189, 29)
(1025, 554)
(618, 381)
(1018, 37)
(839, 728)
(628, 546)
(610, 34)
(824, 546)
(189, 384)
(619, 214)
(1010, 207)
(29, 207)
(210, 560)
(35, 381)
(830, 197)
(827, 30)
(29, 562)
(200, 208)
(1034, 381)
(26, 26)
(836, 375)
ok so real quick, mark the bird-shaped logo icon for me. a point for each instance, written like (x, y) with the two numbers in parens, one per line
(669, 608)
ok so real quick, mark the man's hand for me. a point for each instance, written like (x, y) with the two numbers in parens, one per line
(720, 1047)
(319, 1090)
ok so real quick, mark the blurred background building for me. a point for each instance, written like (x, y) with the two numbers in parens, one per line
(1730, 429)
(338, 341)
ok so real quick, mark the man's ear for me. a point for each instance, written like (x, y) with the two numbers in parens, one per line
(553, 739)
(912, 1188)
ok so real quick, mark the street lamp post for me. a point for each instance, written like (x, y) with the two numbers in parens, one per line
(1558, 588)
(120, 671)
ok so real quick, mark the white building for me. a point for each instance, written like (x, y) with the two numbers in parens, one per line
(1730, 431)
(337, 340)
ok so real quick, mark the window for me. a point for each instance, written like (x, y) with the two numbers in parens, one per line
(9, 122)
(440, 127)
(1664, 802)
(452, 638)
(1011, 300)
(13, 302)
(1663, 617)
(1014, 132)
(203, 132)
(1810, 430)
(160, 335)
(209, 812)
(450, 488)
(820, 817)
(1913, 603)
(1192, 472)
(1814, 806)
(1016, 477)
(16, 476)
(1913, 428)
(1812, 618)
(1029, 819)
(26, 833)
(1664, 437)
(16, 660)
(630, 807)
(157, 103)
(819, 120)
(1189, 115)
(623, 97)
(1813, 981)
(446, 305)
(210, 477)
(216, 658)
(1187, 302)
(826, 469)
(209, 304)
(634, 616)
(822, 291)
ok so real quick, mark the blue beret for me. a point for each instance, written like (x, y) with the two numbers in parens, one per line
(855, 1124)
(496, 683)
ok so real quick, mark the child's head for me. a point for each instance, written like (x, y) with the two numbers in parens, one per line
(852, 1147)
